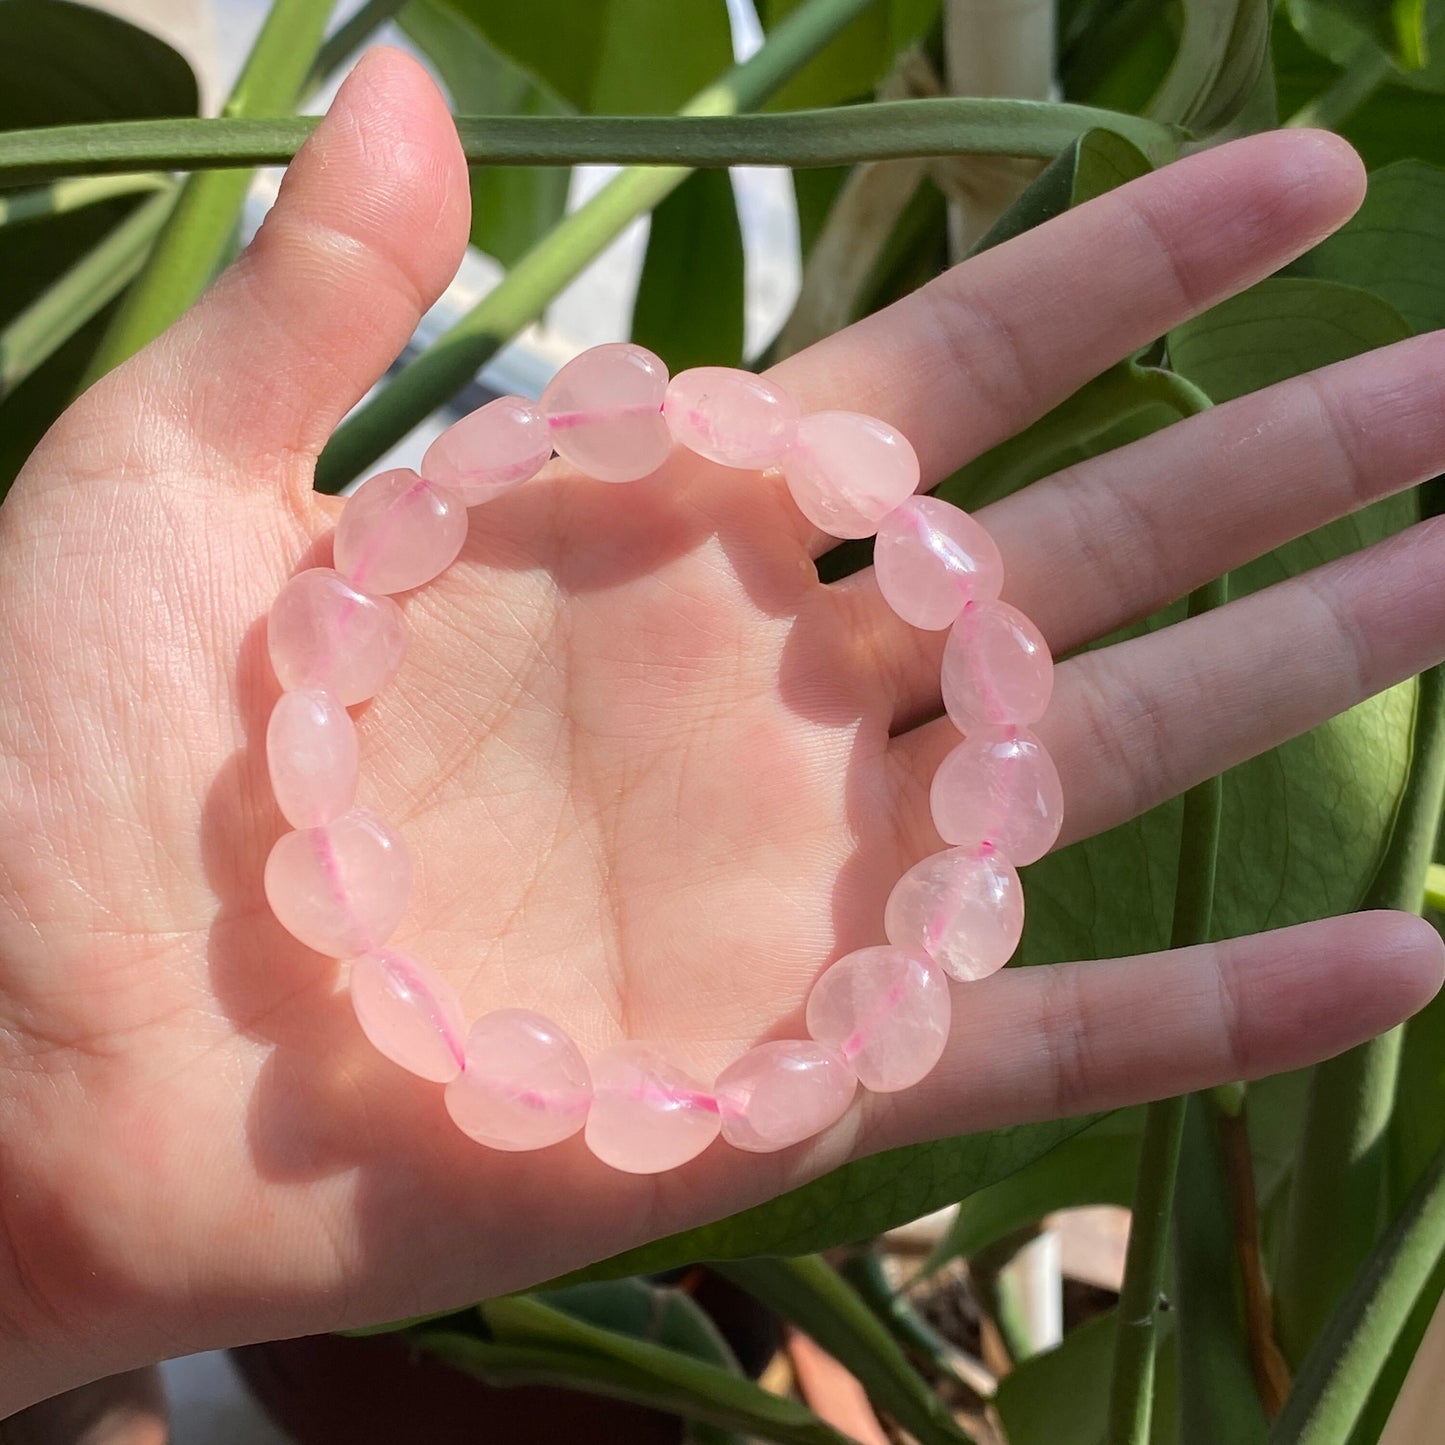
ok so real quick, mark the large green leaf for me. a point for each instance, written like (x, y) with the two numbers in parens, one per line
(856, 1201)
(512, 206)
(1338, 28)
(624, 57)
(62, 63)
(863, 53)
(689, 305)
(1061, 1397)
(1394, 246)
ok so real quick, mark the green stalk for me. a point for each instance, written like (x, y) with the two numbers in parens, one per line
(61, 197)
(37, 332)
(1334, 1384)
(1368, 69)
(1338, 1191)
(705, 134)
(194, 243)
(349, 37)
(1131, 1393)
(524, 293)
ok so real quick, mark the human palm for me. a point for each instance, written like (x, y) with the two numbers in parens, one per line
(653, 773)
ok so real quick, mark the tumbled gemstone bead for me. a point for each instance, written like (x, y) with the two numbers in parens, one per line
(647, 1115)
(605, 412)
(342, 888)
(731, 417)
(324, 633)
(996, 668)
(410, 1013)
(931, 559)
(398, 532)
(884, 1010)
(781, 1093)
(999, 786)
(964, 908)
(847, 471)
(525, 1084)
(311, 753)
(489, 451)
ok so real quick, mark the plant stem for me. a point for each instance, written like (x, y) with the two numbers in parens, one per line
(1131, 1394)
(705, 134)
(37, 332)
(1338, 1192)
(348, 37)
(525, 291)
(1334, 1384)
(1367, 71)
(198, 234)
(64, 196)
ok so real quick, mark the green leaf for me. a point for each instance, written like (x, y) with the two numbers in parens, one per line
(856, 1201)
(1400, 28)
(812, 1295)
(1096, 1166)
(512, 206)
(1394, 246)
(1098, 161)
(863, 53)
(1060, 1397)
(689, 305)
(533, 1343)
(625, 57)
(1334, 1384)
(60, 64)
(1221, 53)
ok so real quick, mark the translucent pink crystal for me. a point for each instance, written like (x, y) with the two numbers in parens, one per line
(996, 668)
(781, 1093)
(398, 532)
(312, 756)
(605, 411)
(847, 471)
(525, 1086)
(647, 1115)
(964, 908)
(410, 1013)
(493, 449)
(729, 416)
(341, 889)
(999, 786)
(324, 633)
(884, 1010)
(931, 558)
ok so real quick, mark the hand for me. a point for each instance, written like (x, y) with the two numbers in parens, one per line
(653, 773)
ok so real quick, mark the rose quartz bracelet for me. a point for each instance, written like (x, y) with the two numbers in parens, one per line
(879, 1016)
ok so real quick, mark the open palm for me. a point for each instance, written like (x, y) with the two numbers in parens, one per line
(654, 774)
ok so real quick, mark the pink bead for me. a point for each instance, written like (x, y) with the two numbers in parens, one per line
(885, 1011)
(964, 908)
(647, 1115)
(605, 411)
(410, 1013)
(731, 417)
(996, 668)
(847, 471)
(999, 786)
(493, 449)
(324, 634)
(525, 1084)
(781, 1093)
(931, 558)
(343, 888)
(312, 756)
(398, 532)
